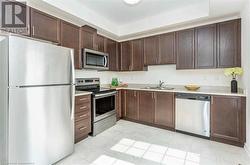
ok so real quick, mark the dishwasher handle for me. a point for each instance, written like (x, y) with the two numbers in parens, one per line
(191, 96)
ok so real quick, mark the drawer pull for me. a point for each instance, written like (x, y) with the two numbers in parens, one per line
(83, 99)
(83, 116)
(83, 107)
(82, 128)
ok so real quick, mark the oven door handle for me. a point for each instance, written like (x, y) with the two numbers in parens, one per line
(105, 94)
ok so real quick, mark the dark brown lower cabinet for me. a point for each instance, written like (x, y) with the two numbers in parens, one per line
(82, 117)
(165, 109)
(118, 105)
(228, 119)
(146, 106)
(154, 108)
(130, 104)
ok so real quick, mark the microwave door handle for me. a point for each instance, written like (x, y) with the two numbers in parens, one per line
(105, 61)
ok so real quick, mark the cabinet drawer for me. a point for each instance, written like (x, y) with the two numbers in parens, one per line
(82, 99)
(82, 107)
(82, 115)
(82, 128)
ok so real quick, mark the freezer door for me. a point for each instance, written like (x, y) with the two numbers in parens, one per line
(41, 124)
(38, 63)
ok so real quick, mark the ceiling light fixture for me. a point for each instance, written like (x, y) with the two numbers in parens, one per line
(131, 2)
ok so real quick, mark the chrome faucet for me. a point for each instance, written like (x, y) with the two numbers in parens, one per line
(161, 84)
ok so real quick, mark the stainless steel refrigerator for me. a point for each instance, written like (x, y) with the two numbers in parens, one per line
(36, 101)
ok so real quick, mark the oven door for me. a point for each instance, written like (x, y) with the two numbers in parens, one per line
(95, 60)
(103, 105)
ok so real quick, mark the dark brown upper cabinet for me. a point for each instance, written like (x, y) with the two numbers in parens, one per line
(125, 55)
(111, 47)
(44, 26)
(205, 47)
(146, 106)
(228, 119)
(137, 55)
(70, 38)
(166, 49)
(165, 109)
(229, 44)
(151, 50)
(100, 43)
(185, 49)
(88, 37)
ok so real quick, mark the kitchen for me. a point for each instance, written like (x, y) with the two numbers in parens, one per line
(147, 116)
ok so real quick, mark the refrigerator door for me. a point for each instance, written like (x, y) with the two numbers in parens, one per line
(41, 124)
(35, 63)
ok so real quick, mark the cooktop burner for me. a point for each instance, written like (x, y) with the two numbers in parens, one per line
(91, 85)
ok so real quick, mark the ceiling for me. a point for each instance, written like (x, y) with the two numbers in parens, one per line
(125, 21)
(121, 13)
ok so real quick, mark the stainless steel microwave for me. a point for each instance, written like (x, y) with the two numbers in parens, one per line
(95, 60)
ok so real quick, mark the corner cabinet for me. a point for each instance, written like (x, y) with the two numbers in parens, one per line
(44, 26)
(70, 38)
(228, 119)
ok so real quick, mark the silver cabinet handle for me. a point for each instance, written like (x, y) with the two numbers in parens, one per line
(83, 116)
(82, 128)
(83, 107)
(83, 99)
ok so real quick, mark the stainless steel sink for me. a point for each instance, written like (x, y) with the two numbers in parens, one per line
(159, 88)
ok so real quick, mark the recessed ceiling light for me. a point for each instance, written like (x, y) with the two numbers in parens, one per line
(131, 2)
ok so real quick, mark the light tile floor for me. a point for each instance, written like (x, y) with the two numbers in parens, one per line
(129, 143)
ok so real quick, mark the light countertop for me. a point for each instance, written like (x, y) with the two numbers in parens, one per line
(82, 93)
(210, 90)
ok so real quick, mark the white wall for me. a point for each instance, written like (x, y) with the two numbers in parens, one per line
(167, 73)
(245, 24)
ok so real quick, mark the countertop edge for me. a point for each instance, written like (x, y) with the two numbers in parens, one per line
(184, 91)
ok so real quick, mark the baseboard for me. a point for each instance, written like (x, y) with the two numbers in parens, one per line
(247, 148)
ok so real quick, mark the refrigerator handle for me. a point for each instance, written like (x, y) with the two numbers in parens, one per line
(72, 111)
(72, 67)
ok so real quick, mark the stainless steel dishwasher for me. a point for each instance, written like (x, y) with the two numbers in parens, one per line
(193, 114)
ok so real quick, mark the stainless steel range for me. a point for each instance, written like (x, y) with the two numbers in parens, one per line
(103, 104)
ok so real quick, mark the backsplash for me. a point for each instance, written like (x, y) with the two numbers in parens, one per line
(167, 73)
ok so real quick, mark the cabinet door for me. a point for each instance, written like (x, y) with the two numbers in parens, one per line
(229, 44)
(126, 53)
(205, 47)
(131, 104)
(44, 26)
(165, 109)
(70, 38)
(146, 106)
(185, 49)
(100, 43)
(88, 37)
(137, 55)
(111, 47)
(228, 119)
(118, 105)
(151, 50)
(166, 49)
